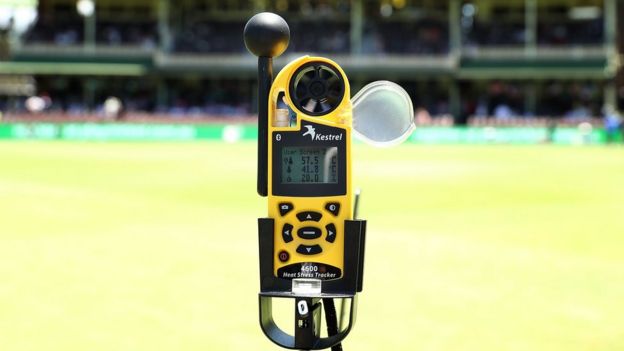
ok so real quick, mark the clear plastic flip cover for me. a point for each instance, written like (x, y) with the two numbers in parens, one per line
(382, 114)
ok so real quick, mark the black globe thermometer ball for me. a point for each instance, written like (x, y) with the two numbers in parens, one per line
(266, 35)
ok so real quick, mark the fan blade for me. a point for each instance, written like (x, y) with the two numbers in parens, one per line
(311, 105)
(301, 91)
(335, 94)
(304, 79)
(332, 81)
(326, 74)
(316, 71)
(325, 106)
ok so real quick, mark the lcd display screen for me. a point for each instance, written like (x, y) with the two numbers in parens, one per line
(309, 165)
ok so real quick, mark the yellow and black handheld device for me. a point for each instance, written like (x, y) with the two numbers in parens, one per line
(309, 165)
(310, 248)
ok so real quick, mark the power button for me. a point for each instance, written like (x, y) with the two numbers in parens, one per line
(283, 256)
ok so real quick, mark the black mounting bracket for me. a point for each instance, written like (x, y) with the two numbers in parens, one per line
(308, 307)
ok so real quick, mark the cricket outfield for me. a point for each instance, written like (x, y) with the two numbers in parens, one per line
(153, 246)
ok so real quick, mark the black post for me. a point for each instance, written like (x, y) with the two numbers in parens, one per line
(265, 79)
(307, 322)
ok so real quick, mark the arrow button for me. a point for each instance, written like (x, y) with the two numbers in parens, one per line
(331, 232)
(287, 233)
(309, 250)
(309, 216)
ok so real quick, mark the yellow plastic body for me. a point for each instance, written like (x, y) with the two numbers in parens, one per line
(333, 253)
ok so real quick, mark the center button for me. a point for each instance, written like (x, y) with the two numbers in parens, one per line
(309, 233)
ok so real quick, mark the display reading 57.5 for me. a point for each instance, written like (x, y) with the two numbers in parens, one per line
(304, 165)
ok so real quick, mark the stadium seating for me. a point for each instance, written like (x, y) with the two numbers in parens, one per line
(458, 58)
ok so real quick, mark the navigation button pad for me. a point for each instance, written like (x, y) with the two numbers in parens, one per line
(313, 232)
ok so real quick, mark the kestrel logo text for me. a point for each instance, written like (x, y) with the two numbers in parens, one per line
(321, 137)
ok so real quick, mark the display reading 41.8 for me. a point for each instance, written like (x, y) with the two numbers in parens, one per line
(303, 165)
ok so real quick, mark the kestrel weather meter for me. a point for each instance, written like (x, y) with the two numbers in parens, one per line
(311, 244)
(309, 190)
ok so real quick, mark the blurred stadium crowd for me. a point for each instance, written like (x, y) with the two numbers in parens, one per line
(323, 26)
(493, 60)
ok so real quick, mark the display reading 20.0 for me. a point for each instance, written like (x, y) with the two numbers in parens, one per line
(303, 164)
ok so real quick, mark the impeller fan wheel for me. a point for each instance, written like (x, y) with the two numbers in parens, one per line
(317, 88)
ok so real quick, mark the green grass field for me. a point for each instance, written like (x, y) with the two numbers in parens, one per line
(152, 246)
